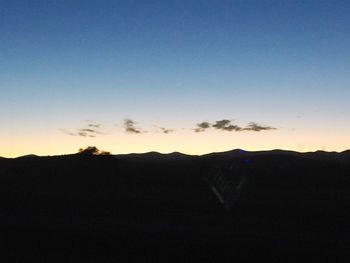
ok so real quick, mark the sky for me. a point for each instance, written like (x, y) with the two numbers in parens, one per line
(191, 76)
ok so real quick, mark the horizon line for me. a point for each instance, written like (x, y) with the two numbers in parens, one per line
(178, 152)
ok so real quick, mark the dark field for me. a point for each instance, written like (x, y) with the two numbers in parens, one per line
(162, 208)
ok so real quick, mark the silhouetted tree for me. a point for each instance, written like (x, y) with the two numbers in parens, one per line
(92, 150)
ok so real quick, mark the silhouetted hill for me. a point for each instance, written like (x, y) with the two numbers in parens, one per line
(175, 207)
(231, 153)
(239, 152)
(346, 155)
(27, 156)
(325, 156)
(153, 156)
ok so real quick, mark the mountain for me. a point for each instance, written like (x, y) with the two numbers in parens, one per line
(174, 207)
(153, 156)
(27, 156)
(345, 154)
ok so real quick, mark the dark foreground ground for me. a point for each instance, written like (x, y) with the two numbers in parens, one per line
(162, 208)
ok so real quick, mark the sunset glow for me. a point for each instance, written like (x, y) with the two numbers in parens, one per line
(72, 74)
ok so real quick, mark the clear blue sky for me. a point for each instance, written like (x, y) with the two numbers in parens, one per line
(173, 64)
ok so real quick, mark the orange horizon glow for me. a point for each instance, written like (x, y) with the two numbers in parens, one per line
(184, 142)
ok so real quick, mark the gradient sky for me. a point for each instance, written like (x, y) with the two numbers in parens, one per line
(69, 65)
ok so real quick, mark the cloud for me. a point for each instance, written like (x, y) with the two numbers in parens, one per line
(225, 125)
(67, 132)
(89, 130)
(166, 131)
(253, 126)
(201, 127)
(85, 134)
(221, 124)
(158, 129)
(92, 131)
(232, 128)
(129, 126)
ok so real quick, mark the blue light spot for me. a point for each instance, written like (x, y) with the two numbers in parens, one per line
(248, 161)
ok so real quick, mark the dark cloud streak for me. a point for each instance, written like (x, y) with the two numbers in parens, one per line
(68, 133)
(129, 126)
(201, 127)
(253, 126)
(90, 132)
(167, 131)
(225, 125)
(220, 125)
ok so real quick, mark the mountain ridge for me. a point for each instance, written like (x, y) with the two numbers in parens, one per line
(230, 153)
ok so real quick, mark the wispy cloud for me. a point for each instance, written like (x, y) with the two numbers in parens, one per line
(253, 126)
(87, 132)
(129, 126)
(93, 125)
(232, 128)
(201, 127)
(67, 132)
(226, 125)
(221, 124)
(91, 131)
(166, 131)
